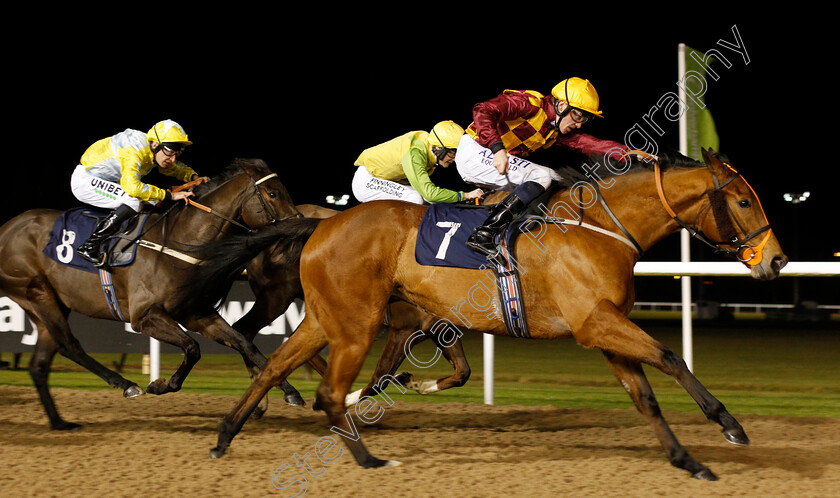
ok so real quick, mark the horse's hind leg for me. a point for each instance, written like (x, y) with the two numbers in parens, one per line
(633, 379)
(305, 343)
(39, 370)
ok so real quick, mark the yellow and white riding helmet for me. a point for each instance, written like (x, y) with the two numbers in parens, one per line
(169, 134)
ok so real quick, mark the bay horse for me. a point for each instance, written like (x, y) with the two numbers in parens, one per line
(246, 195)
(578, 283)
(274, 278)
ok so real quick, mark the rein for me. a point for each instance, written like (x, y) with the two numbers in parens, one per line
(189, 259)
(272, 217)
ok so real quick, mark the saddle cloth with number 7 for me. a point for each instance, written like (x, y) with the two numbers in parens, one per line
(443, 233)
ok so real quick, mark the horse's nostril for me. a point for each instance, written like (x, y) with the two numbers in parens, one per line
(779, 262)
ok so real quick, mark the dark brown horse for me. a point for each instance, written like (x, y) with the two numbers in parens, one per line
(578, 283)
(247, 194)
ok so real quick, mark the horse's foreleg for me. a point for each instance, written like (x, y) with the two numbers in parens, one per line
(39, 370)
(609, 330)
(454, 352)
(156, 323)
(301, 346)
(216, 329)
(249, 326)
(633, 379)
(712, 408)
(401, 341)
(344, 364)
(44, 309)
(318, 364)
(392, 356)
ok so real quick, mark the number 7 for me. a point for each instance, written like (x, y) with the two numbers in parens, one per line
(444, 245)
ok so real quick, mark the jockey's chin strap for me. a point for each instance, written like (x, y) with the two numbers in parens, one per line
(749, 255)
(271, 215)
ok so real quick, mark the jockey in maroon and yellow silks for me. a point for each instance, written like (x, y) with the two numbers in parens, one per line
(522, 122)
(510, 127)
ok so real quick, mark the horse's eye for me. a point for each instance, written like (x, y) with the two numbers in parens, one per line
(272, 195)
(744, 203)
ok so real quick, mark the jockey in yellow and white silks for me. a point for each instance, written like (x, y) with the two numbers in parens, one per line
(401, 167)
(110, 173)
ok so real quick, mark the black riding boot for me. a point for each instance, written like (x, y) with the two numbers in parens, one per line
(106, 227)
(483, 238)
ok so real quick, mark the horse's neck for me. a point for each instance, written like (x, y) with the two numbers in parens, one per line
(193, 225)
(635, 202)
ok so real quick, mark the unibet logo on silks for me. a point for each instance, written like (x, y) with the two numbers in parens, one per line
(106, 189)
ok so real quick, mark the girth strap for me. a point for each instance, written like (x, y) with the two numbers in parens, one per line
(110, 295)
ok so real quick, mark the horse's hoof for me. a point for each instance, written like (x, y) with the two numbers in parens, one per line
(375, 463)
(217, 452)
(736, 436)
(404, 378)
(294, 399)
(63, 425)
(705, 475)
(159, 386)
(133, 392)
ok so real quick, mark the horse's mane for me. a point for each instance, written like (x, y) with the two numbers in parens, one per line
(224, 260)
(234, 168)
(667, 160)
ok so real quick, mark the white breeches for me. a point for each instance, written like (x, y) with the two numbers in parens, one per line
(367, 187)
(100, 193)
(475, 165)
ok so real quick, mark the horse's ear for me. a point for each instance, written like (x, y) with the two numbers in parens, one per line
(255, 168)
(715, 165)
(245, 164)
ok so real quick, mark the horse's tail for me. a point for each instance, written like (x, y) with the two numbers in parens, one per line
(225, 259)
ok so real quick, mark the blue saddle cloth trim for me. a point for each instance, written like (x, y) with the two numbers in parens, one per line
(70, 230)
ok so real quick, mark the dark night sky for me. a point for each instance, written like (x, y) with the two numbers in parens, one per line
(307, 94)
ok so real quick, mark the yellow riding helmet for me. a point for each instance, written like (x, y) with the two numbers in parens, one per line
(168, 131)
(446, 134)
(578, 93)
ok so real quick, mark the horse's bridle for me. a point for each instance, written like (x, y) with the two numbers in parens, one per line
(271, 215)
(189, 259)
(723, 216)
